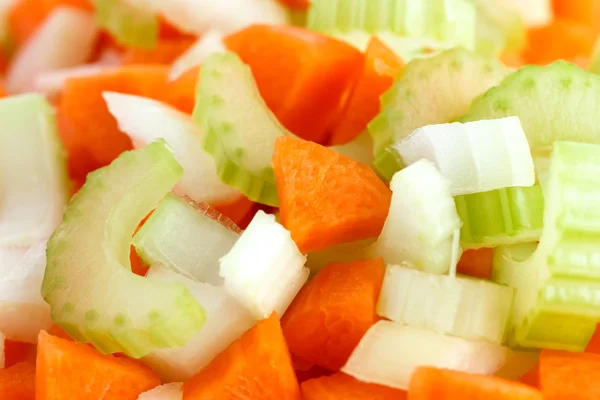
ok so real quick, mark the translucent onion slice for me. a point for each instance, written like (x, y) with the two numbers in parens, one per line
(534, 12)
(168, 391)
(130, 25)
(65, 39)
(469, 155)
(264, 270)
(390, 352)
(145, 120)
(226, 321)
(211, 42)
(422, 221)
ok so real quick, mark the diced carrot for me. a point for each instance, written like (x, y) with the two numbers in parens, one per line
(333, 311)
(476, 263)
(69, 370)
(583, 11)
(306, 370)
(573, 376)
(181, 92)
(237, 210)
(380, 68)
(138, 267)
(18, 381)
(165, 52)
(88, 130)
(256, 366)
(16, 352)
(562, 39)
(169, 31)
(297, 4)
(304, 77)
(343, 387)
(594, 343)
(57, 331)
(438, 384)
(532, 377)
(327, 198)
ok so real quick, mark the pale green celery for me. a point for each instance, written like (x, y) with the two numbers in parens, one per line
(499, 28)
(240, 131)
(557, 304)
(91, 290)
(185, 240)
(130, 26)
(501, 217)
(360, 149)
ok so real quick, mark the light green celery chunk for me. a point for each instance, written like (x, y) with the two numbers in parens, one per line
(360, 149)
(131, 26)
(430, 91)
(469, 308)
(557, 304)
(240, 130)
(185, 240)
(88, 283)
(499, 28)
(501, 217)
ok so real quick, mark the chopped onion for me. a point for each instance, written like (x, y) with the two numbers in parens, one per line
(65, 39)
(226, 321)
(264, 270)
(476, 156)
(534, 12)
(208, 44)
(390, 352)
(169, 391)
(51, 82)
(145, 120)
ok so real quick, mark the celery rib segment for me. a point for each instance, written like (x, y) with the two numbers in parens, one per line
(131, 26)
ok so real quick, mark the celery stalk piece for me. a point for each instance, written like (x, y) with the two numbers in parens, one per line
(499, 28)
(360, 149)
(131, 25)
(422, 220)
(23, 311)
(226, 321)
(88, 283)
(264, 270)
(389, 352)
(211, 42)
(468, 155)
(184, 240)
(469, 308)
(168, 391)
(501, 217)
(558, 283)
(239, 129)
(33, 178)
(145, 120)
(46, 49)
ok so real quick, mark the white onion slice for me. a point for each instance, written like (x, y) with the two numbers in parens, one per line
(475, 157)
(169, 391)
(264, 270)
(208, 44)
(145, 120)
(51, 82)
(65, 39)
(389, 353)
(534, 12)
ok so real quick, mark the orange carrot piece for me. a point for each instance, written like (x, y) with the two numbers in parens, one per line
(237, 210)
(69, 370)
(256, 366)
(16, 352)
(57, 331)
(594, 343)
(476, 263)
(333, 311)
(327, 198)
(573, 376)
(303, 76)
(343, 387)
(306, 370)
(438, 384)
(583, 11)
(18, 381)
(181, 93)
(88, 130)
(165, 52)
(380, 68)
(297, 4)
(532, 377)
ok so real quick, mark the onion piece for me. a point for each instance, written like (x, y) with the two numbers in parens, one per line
(169, 391)
(534, 12)
(52, 82)
(208, 44)
(65, 39)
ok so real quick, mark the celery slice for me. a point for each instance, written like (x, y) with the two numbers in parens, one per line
(92, 293)
(33, 177)
(264, 270)
(499, 28)
(130, 25)
(360, 149)
(422, 221)
(469, 154)
(558, 284)
(533, 12)
(501, 217)
(389, 352)
(182, 239)
(465, 307)
(239, 129)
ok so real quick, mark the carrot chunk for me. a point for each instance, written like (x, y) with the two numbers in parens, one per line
(303, 76)
(69, 370)
(256, 366)
(583, 11)
(333, 311)
(476, 263)
(181, 92)
(438, 384)
(16, 352)
(573, 376)
(343, 387)
(297, 4)
(165, 52)
(594, 343)
(532, 377)
(326, 198)
(18, 382)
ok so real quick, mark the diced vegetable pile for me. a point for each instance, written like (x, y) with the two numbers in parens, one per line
(295, 199)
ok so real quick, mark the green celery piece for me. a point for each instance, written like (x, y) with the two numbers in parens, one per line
(240, 130)
(183, 239)
(129, 25)
(499, 28)
(558, 283)
(501, 217)
(88, 283)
